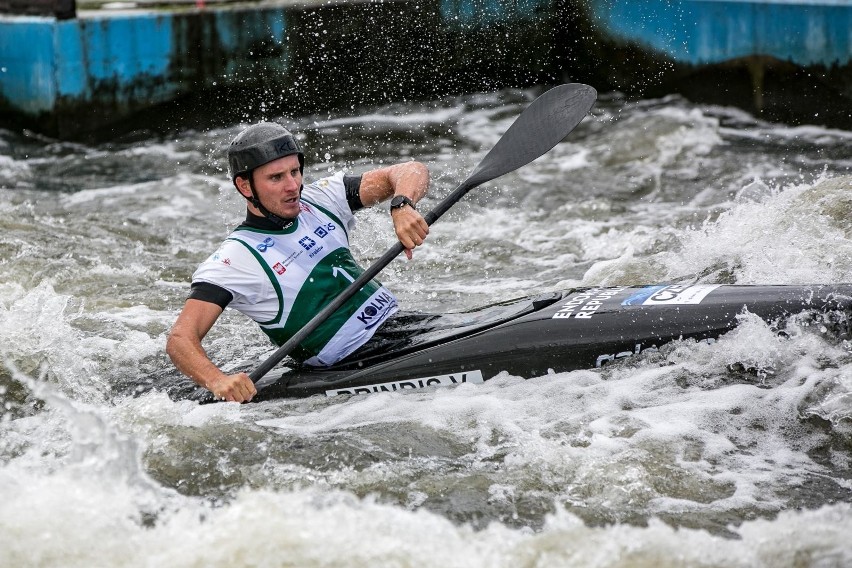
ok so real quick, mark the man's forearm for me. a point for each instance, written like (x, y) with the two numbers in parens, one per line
(190, 359)
(410, 179)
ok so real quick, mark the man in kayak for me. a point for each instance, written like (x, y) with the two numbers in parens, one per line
(291, 257)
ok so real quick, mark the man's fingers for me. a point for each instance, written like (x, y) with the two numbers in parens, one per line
(237, 388)
(410, 224)
(424, 226)
(244, 390)
(247, 388)
(413, 237)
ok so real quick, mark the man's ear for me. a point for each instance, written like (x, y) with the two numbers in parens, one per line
(243, 186)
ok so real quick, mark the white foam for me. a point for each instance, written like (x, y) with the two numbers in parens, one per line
(711, 435)
(35, 331)
(306, 528)
(794, 235)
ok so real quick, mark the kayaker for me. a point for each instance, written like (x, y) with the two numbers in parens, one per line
(291, 256)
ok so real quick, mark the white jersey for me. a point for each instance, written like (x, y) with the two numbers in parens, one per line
(281, 279)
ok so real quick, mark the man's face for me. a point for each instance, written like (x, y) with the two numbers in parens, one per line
(277, 184)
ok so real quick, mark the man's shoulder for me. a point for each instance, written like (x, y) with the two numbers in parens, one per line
(233, 254)
(331, 186)
(234, 268)
(329, 193)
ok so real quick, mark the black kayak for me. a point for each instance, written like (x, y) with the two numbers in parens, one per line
(562, 331)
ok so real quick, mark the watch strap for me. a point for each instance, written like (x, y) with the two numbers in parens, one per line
(401, 201)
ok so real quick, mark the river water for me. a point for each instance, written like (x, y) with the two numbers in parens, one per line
(684, 459)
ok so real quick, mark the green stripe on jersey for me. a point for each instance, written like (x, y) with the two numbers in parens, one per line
(329, 214)
(272, 278)
(326, 281)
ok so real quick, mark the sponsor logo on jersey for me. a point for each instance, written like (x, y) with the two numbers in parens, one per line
(267, 244)
(305, 207)
(374, 313)
(293, 256)
(279, 268)
(217, 257)
(322, 232)
(474, 377)
(307, 243)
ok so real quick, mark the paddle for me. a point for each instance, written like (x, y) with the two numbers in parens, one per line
(539, 128)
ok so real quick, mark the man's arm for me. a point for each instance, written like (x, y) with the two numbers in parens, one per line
(187, 354)
(410, 179)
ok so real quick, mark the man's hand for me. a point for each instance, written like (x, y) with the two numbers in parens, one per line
(411, 228)
(233, 388)
(184, 348)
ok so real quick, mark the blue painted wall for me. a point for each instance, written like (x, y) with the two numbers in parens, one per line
(43, 60)
(712, 31)
(120, 52)
(128, 61)
(27, 64)
(96, 69)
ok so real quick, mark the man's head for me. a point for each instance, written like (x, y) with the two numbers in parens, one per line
(259, 144)
(255, 147)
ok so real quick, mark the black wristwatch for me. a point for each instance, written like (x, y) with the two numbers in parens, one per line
(401, 201)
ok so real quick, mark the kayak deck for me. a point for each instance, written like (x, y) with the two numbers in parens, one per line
(563, 331)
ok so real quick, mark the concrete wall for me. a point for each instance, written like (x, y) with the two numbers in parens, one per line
(787, 60)
(106, 72)
(101, 69)
(804, 32)
(82, 74)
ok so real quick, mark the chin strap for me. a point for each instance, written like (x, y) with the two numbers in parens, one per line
(282, 222)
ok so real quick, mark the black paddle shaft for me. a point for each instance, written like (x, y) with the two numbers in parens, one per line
(540, 127)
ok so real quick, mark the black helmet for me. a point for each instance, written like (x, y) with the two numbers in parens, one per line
(260, 144)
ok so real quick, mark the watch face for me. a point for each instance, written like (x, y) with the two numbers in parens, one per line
(399, 201)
